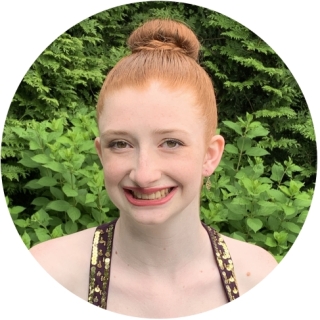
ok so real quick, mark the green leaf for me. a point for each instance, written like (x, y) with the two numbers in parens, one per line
(27, 162)
(277, 195)
(69, 192)
(58, 205)
(262, 188)
(285, 190)
(223, 180)
(294, 187)
(26, 239)
(249, 117)
(291, 226)
(47, 181)
(74, 213)
(42, 234)
(231, 148)
(65, 141)
(257, 132)
(35, 145)
(33, 184)
(232, 216)
(86, 145)
(238, 236)
(241, 201)
(55, 166)
(254, 224)
(90, 198)
(292, 237)
(281, 236)
(41, 158)
(57, 232)
(256, 152)
(40, 201)
(57, 193)
(259, 237)
(277, 172)
(288, 210)
(244, 143)
(273, 223)
(92, 224)
(53, 136)
(248, 184)
(71, 227)
(270, 242)
(16, 209)
(77, 161)
(85, 219)
(41, 216)
(21, 223)
(236, 209)
(266, 208)
(302, 217)
(98, 215)
(234, 126)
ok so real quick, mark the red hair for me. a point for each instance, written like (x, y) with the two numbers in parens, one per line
(167, 51)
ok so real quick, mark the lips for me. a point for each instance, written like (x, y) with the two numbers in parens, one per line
(149, 197)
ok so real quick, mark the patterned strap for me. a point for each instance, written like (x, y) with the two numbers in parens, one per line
(101, 258)
(224, 263)
(100, 264)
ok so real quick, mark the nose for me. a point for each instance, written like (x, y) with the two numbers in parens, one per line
(145, 171)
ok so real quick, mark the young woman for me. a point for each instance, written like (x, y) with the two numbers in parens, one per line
(157, 122)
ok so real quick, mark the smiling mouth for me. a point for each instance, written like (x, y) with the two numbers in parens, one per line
(149, 197)
(152, 196)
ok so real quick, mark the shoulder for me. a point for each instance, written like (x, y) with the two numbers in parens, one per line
(67, 259)
(251, 263)
(63, 246)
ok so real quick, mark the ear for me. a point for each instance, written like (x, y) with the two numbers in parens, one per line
(97, 144)
(213, 155)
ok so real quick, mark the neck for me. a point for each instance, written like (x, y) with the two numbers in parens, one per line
(160, 249)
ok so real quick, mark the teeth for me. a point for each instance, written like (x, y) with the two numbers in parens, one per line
(157, 195)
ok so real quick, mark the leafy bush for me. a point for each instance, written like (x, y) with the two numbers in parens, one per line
(251, 201)
(68, 192)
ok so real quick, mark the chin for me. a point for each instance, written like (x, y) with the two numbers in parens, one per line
(149, 217)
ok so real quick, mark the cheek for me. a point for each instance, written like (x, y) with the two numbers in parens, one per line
(113, 172)
(190, 170)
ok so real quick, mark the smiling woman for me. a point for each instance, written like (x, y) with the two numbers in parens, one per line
(147, 120)
(157, 141)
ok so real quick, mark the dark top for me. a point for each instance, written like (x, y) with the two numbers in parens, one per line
(101, 262)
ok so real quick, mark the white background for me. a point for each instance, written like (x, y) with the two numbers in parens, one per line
(290, 28)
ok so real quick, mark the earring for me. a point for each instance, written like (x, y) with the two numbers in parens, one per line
(208, 183)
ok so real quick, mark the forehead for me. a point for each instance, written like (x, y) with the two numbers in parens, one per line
(154, 105)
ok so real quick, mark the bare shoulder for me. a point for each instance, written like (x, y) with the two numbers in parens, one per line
(251, 263)
(67, 259)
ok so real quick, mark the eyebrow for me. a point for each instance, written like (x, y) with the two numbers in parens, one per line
(168, 131)
(114, 133)
(156, 131)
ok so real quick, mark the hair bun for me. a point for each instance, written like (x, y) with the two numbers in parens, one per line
(165, 35)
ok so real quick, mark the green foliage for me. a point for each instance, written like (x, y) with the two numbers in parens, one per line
(260, 193)
(67, 189)
(252, 201)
